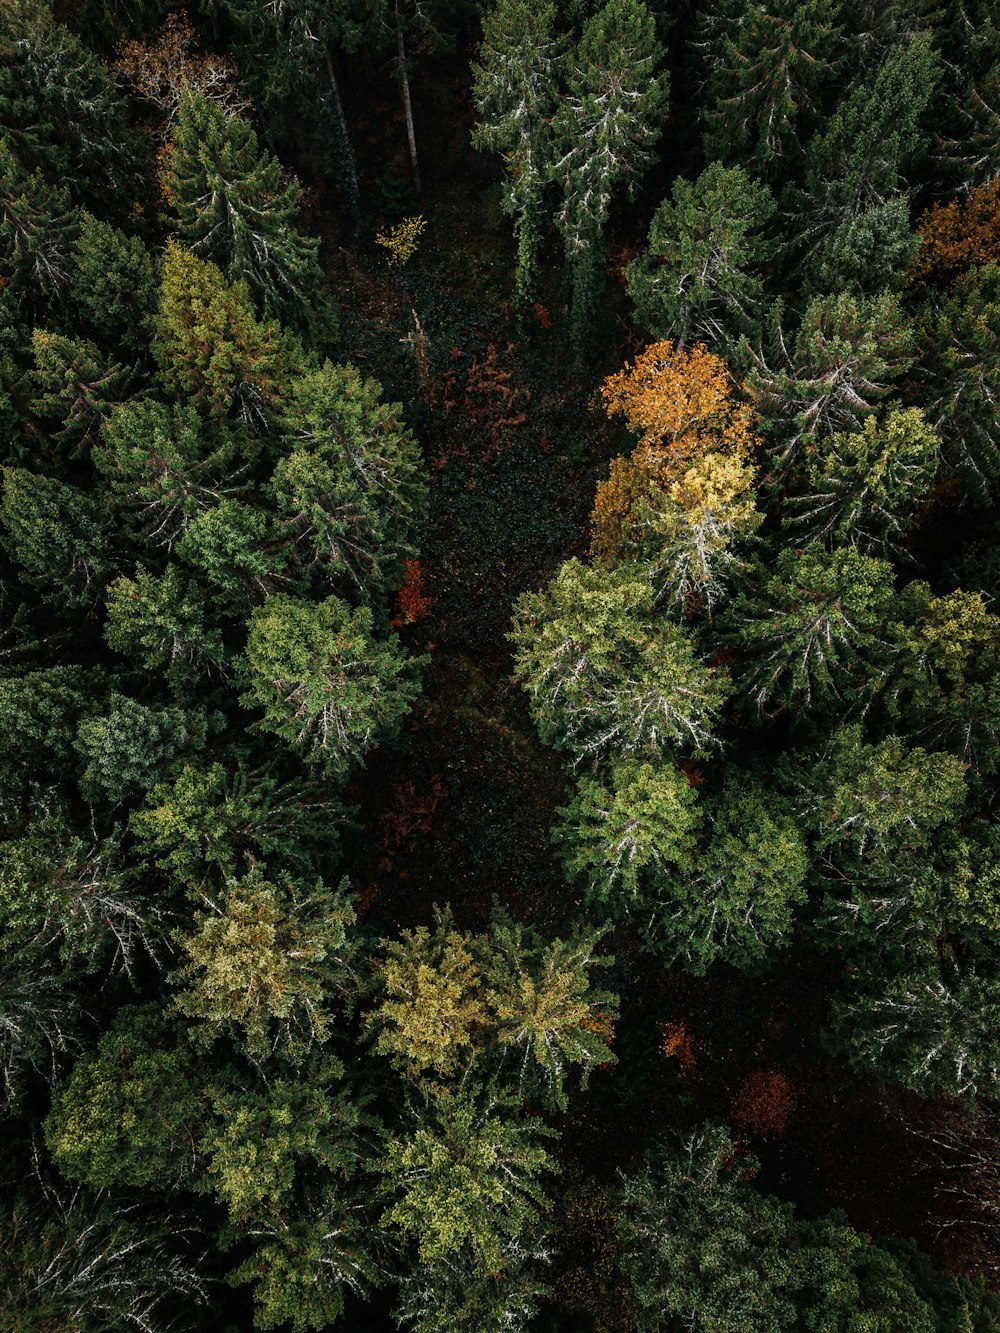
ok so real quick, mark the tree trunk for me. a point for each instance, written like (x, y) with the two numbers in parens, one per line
(347, 164)
(404, 79)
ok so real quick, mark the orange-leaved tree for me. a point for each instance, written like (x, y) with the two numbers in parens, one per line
(677, 501)
(957, 235)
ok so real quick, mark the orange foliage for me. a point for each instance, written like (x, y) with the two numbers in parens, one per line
(160, 72)
(681, 404)
(412, 602)
(542, 315)
(955, 236)
(679, 1044)
(763, 1103)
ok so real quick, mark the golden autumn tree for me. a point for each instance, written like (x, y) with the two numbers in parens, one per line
(955, 236)
(679, 500)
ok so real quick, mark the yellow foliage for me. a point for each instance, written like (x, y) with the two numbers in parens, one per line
(682, 406)
(402, 240)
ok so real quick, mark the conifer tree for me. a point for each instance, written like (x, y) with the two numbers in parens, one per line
(516, 89)
(605, 129)
(766, 66)
(698, 278)
(233, 209)
(605, 676)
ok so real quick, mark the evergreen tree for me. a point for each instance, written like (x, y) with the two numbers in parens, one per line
(766, 66)
(233, 209)
(515, 90)
(605, 130)
(326, 685)
(606, 677)
(349, 487)
(698, 277)
(865, 488)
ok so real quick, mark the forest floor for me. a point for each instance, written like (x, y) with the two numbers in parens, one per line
(460, 811)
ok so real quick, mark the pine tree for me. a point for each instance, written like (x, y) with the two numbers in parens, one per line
(767, 66)
(515, 90)
(605, 130)
(865, 488)
(606, 677)
(326, 685)
(698, 278)
(233, 209)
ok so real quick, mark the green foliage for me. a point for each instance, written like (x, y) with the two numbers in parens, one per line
(960, 337)
(636, 824)
(326, 685)
(467, 1175)
(160, 623)
(765, 69)
(76, 389)
(452, 1003)
(865, 488)
(214, 822)
(264, 961)
(703, 1247)
(56, 535)
(349, 488)
(211, 348)
(233, 209)
(515, 90)
(605, 130)
(129, 1114)
(845, 357)
(130, 745)
(815, 626)
(113, 286)
(605, 677)
(698, 277)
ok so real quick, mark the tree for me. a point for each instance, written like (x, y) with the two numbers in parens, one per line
(232, 209)
(433, 1006)
(751, 873)
(160, 623)
(264, 962)
(698, 278)
(931, 1026)
(58, 107)
(681, 497)
(547, 1012)
(129, 1115)
(815, 628)
(856, 169)
(637, 822)
(233, 547)
(845, 356)
(467, 1174)
(112, 285)
(87, 1261)
(55, 533)
(605, 677)
(326, 685)
(960, 342)
(947, 684)
(211, 348)
(959, 235)
(703, 1247)
(77, 389)
(605, 130)
(766, 68)
(38, 229)
(128, 746)
(515, 89)
(865, 487)
(350, 487)
(166, 465)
